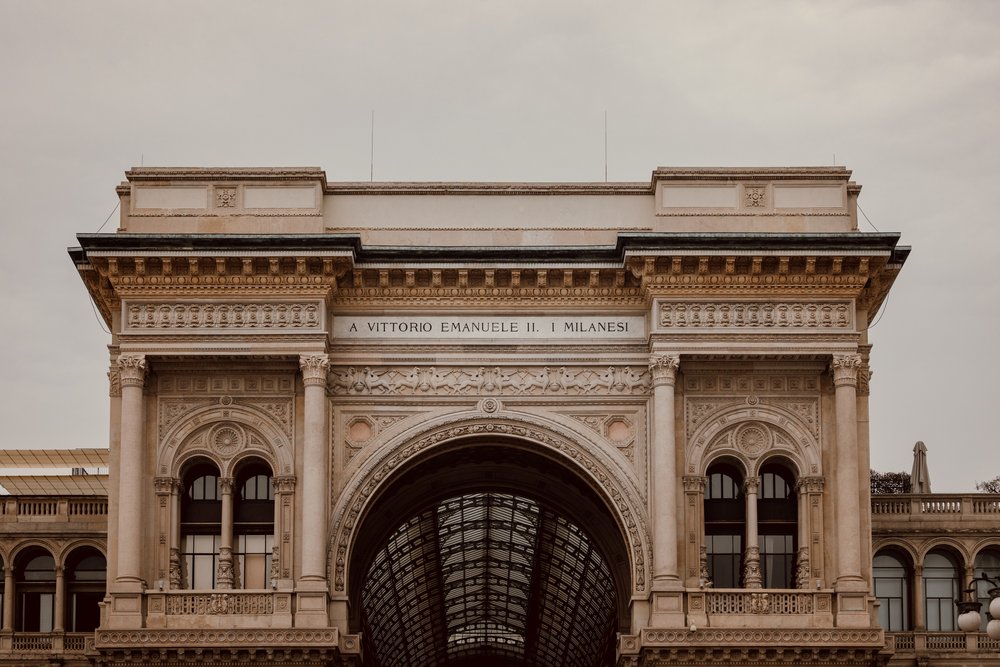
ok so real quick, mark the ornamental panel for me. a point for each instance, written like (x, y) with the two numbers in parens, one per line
(174, 317)
(817, 316)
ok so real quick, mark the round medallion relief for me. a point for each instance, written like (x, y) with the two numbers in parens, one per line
(753, 439)
(226, 439)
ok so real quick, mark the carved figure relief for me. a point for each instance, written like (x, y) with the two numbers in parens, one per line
(431, 380)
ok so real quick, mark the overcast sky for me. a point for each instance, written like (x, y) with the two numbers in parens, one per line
(907, 94)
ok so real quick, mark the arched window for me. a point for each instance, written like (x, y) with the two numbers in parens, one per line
(86, 577)
(891, 575)
(253, 524)
(777, 525)
(35, 583)
(725, 521)
(988, 563)
(941, 589)
(201, 517)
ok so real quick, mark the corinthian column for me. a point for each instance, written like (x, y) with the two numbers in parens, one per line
(845, 380)
(132, 374)
(315, 487)
(663, 477)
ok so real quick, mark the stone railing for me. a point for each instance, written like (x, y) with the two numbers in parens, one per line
(14, 509)
(203, 604)
(31, 642)
(919, 642)
(931, 505)
(759, 602)
(45, 643)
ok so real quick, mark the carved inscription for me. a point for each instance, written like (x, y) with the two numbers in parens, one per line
(214, 316)
(432, 380)
(730, 315)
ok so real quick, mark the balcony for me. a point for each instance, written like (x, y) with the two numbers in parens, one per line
(20, 509)
(933, 511)
(219, 609)
(772, 608)
(909, 643)
(44, 645)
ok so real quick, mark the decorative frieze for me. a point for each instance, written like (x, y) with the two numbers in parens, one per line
(832, 315)
(445, 381)
(175, 316)
(727, 382)
(251, 383)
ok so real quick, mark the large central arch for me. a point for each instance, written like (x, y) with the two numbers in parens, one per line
(506, 475)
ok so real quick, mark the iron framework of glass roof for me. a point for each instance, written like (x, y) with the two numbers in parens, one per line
(490, 576)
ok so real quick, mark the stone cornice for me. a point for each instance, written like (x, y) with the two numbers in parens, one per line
(493, 189)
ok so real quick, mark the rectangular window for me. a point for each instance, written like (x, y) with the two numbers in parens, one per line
(201, 557)
(725, 558)
(253, 560)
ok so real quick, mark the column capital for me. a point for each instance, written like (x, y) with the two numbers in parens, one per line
(694, 483)
(226, 484)
(751, 484)
(663, 368)
(845, 369)
(810, 484)
(284, 483)
(132, 370)
(314, 368)
(163, 485)
(114, 382)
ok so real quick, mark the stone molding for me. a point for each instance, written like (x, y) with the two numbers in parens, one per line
(831, 315)
(845, 369)
(469, 380)
(611, 481)
(784, 432)
(251, 637)
(262, 435)
(180, 316)
(132, 370)
(826, 638)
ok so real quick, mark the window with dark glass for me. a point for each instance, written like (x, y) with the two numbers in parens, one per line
(253, 525)
(892, 588)
(201, 527)
(35, 584)
(86, 576)
(777, 526)
(725, 520)
(941, 589)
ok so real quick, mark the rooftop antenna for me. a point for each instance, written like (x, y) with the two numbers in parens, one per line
(605, 145)
(371, 156)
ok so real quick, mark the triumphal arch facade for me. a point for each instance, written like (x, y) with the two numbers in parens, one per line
(489, 423)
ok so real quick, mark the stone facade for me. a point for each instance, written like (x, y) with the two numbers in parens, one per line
(618, 353)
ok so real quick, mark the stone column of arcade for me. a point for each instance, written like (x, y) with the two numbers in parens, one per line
(8, 597)
(126, 608)
(751, 554)
(224, 577)
(667, 598)
(852, 607)
(312, 587)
